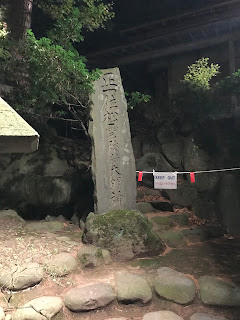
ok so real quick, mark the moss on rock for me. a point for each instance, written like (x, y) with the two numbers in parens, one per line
(127, 234)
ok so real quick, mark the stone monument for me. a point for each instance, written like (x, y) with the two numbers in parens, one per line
(113, 163)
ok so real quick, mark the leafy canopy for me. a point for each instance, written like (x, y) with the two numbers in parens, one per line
(48, 71)
(200, 74)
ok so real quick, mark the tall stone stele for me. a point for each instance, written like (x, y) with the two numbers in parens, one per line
(113, 163)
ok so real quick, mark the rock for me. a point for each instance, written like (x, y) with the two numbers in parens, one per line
(11, 214)
(204, 207)
(132, 288)
(214, 231)
(47, 226)
(150, 147)
(174, 286)
(162, 206)
(173, 238)
(137, 147)
(173, 152)
(22, 277)
(39, 309)
(197, 159)
(184, 196)
(145, 207)
(161, 315)
(205, 316)
(61, 264)
(91, 256)
(116, 319)
(140, 194)
(59, 218)
(2, 314)
(89, 297)
(163, 223)
(215, 291)
(126, 234)
(8, 317)
(228, 203)
(152, 161)
(181, 219)
(195, 235)
(152, 192)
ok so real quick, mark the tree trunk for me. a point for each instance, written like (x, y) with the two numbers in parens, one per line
(19, 13)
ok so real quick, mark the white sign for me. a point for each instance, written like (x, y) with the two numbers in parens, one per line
(165, 180)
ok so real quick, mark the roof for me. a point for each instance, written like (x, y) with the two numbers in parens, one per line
(191, 30)
(16, 135)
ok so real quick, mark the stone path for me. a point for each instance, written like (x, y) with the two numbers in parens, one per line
(67, 284)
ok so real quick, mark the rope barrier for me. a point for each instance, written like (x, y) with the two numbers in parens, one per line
(188, 172)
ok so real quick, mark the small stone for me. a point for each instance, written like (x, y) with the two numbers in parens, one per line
(174, 286)
(2, 314)
(39, 309)
(163, 223)
(132, 288)
(196, 235)
(152, 192)
(22, 277)
(161, 315)
(61, 264)
(181, 219)
(116, 319)
(205, 316)
(145, 207)
(215, 291)
(173, 238)
(48, 226)
(89, 297)
(91, 256)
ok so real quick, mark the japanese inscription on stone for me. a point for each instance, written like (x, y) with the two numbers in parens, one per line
(113, 163)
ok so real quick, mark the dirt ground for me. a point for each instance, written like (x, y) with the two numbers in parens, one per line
(18, 244)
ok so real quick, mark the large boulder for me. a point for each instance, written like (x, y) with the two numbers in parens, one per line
(228, 203)
(40, 179)
(173, 151)
(196, 159)
(204, 207)
(150, 161)
(126, 234)
(185, 195)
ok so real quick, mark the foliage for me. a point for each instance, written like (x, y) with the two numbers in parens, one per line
(231, 84)
(4, 53)
(194, 99)
(54, 75)
(49, 71)
(199, 75)
(136, 98)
